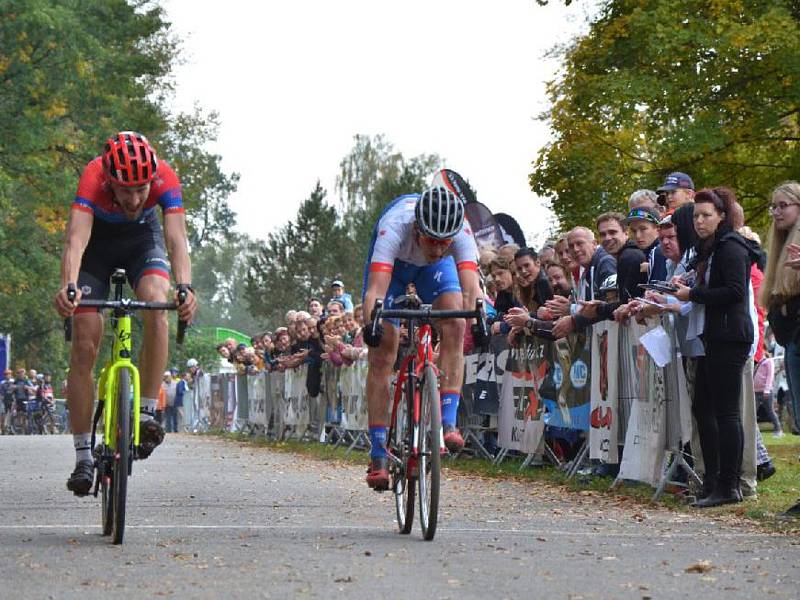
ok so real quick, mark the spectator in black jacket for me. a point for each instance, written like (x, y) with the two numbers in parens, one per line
(723, 274)
(614, 238)
(533, 288)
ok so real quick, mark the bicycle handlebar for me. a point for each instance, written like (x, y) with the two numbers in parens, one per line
(426, 312)
(127, 305)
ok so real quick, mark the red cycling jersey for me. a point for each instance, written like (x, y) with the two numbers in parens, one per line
(95, 195)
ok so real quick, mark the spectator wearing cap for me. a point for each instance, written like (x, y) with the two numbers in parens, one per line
(338, 294)
(678, 190)
(643, 224)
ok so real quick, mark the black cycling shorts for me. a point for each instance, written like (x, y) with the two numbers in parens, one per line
(140, 251)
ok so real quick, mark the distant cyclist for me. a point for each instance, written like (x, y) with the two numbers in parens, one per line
(420, 239)
(113, 224)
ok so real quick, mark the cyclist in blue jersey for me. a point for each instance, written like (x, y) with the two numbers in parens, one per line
(420, 239)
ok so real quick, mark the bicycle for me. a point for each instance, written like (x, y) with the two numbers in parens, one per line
(415, 440)
(118, 402)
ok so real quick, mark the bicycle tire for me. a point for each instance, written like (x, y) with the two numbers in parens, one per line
(122, 454)
(403, 485)
(430, 458)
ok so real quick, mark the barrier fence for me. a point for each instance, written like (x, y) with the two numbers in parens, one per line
(619, 392)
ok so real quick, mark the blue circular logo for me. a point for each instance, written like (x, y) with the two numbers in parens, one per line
(558, 376)
(578, 374)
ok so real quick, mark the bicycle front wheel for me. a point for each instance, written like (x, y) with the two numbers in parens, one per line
(430, 458)
(402, 480)
(122, 454)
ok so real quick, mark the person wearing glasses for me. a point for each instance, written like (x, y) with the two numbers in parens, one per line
(780, 290)
(421, 239)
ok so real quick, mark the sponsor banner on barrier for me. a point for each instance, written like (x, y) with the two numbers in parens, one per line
(217, 408)
(297, 412)
(568, 383)
(520, 423)
(353, 383)
(643, 384)
(482, 377)
(604, 416)
(257, 394)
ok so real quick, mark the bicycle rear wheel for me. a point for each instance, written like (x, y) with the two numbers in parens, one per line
(430, 458)
(122, 455)
(403, 485)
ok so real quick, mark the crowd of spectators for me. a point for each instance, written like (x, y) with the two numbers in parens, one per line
(20, 387)
(675, 249)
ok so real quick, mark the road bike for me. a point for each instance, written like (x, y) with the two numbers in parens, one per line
(415, 441)
(118, 402)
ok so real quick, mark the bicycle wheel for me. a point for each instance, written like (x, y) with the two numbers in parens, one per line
(430, 458)
(122, 455)
(402, 482)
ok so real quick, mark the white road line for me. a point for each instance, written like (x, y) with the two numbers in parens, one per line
(524, 532)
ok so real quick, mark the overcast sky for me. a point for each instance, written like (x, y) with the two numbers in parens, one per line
(294, 81)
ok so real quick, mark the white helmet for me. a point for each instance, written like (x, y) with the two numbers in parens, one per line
(439, 213)
(192, 362)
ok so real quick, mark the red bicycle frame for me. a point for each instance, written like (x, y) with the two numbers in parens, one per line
(410, 370)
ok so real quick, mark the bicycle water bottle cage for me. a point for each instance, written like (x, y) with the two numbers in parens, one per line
(118, 276)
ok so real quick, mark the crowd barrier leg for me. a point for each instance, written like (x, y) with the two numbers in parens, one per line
(471, 438)
(360, 440)
(678, 462)
(579, 459)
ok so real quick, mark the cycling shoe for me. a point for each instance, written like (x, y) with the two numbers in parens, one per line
(151, 434)
(378, 474)
(82, 478)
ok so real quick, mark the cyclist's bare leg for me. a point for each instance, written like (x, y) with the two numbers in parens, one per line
(381, 362)
(451, 366)
(451, 345)
(87, 331)
(155, 345)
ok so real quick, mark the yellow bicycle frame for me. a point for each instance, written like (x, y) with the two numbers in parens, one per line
(107, 383)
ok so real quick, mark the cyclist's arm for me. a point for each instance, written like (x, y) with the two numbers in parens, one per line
(79, 230)
(178, 249)
(178, 246)
(377, 286)
(470, 286)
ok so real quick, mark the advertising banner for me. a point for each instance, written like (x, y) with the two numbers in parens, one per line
(568, 383)
(353, 384)
(520, 422)
(604, 416)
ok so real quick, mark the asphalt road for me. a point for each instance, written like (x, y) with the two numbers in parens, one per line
(210, 518)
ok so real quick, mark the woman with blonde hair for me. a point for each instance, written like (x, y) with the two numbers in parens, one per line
(780, 291)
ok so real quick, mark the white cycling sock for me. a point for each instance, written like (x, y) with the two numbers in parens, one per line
(83, 446)
(147, 407)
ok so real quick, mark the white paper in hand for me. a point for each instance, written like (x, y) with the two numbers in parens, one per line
(658, 345)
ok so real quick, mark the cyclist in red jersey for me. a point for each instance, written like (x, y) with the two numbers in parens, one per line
(113, 224)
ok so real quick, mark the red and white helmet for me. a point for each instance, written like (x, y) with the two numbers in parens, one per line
(129, 159)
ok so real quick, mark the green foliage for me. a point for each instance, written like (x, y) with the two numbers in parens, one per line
(709, 88)
(72, 72)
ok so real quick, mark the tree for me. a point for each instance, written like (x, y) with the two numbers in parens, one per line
(298, 261)
(715, 93)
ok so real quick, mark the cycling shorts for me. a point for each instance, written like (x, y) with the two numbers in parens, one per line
(431, 281)
(140, 252)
